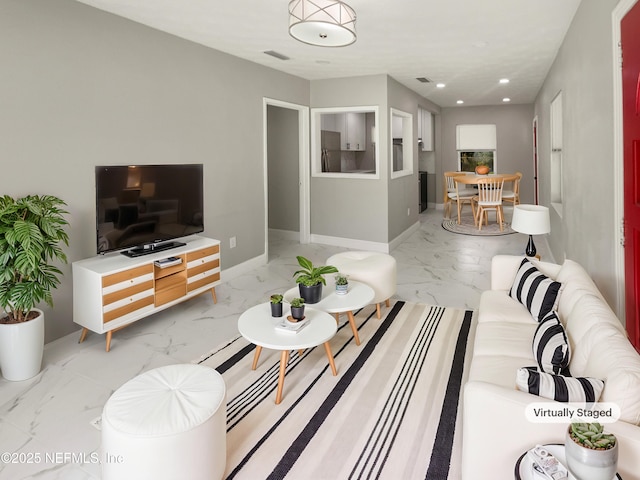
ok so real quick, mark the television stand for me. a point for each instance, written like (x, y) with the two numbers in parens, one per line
(112, 291)
(151, 248)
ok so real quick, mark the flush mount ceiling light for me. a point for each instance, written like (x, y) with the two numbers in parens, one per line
(325, 23)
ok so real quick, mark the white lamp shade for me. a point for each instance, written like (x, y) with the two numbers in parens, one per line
(531, 219)
(326, 23)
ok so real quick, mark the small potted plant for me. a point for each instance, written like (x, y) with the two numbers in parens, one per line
(310, 279)
(590, 452)
(297, 308)
(276, 305)
(342, 283)
(32, 230)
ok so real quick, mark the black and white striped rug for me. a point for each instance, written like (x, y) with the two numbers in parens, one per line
(391, 412)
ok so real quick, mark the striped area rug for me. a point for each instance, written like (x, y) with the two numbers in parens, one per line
(391, 412)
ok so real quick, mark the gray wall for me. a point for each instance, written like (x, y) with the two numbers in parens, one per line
(81, 87)
(584, 230)
(514, 134)
(283, 168)
(352, 208)
(403, 191)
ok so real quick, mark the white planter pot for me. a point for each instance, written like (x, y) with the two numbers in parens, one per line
(21, 348)
(587, 464)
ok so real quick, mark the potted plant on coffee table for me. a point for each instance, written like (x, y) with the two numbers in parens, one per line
(32, 230)
(276, 305)
(310, 279)
(342, 283)
(297, 309)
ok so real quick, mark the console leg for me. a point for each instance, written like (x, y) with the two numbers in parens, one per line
(109, 335)
(83, 335)
(213, 294)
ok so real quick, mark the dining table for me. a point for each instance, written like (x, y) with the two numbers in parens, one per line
(473, 179)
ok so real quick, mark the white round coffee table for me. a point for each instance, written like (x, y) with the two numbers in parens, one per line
(259, 327)
(358, 295)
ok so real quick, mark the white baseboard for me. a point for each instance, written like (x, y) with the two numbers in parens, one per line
(350, 243)
(403, 236)
(230, 273)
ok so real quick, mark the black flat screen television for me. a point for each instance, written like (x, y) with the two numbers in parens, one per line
(146, 206)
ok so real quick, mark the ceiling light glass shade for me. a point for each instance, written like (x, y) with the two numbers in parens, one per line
(326, 23)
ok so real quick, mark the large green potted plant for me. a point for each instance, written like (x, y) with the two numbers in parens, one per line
(32, 230)
(310, 279)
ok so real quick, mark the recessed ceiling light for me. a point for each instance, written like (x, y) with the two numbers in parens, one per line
(460, 102)
(506, 99)
(440, 85)
(504, 80)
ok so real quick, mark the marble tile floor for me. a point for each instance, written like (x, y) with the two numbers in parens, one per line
(45, 422)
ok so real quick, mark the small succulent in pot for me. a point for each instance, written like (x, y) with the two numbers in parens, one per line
(297, 308)
(342, 283)
(276, 305)
(590, 452)
(591, 435)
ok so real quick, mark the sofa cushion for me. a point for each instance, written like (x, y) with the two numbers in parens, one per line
(550, 346)
(588, 312)
(498, 306)
(497, 369)
(504, 338)
(605, 352)
(534, 290)
(558, 387)
(576, 282)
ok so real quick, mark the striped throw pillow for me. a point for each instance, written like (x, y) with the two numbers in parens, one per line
(534, 290)
(558, 387)
(550, 346)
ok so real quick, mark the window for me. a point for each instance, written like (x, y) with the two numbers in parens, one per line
(556, 153)
(401, 143)
(476, 145)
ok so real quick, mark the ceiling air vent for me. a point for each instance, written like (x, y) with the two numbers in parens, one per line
(423, 80)
(277, 55)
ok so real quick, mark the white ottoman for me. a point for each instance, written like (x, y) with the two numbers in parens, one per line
(166, 423)
(378, 270)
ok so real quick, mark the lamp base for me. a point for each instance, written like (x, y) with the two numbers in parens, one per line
(531, 248)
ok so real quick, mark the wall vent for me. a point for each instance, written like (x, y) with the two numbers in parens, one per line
(277, 55)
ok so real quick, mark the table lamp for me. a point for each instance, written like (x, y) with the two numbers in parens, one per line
(531, 220)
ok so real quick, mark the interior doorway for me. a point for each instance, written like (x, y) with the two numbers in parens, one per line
(286, 169)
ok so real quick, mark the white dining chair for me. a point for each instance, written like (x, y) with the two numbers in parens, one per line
(513, 196)
(459, 194)
(489, 198)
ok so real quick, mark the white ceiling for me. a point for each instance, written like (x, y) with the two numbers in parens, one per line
(467, 44)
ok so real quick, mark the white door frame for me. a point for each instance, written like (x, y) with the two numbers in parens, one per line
(618, 154)
(303, 156)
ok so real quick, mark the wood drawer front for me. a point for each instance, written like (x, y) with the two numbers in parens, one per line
(169, 294)
(205, 278)
(127, 276)
(203, 267)
(205, 252)
(127, 292)
(131, 307)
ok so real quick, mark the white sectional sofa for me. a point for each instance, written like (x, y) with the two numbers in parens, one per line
(495, 429)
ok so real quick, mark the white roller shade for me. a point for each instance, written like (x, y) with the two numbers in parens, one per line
(476, 137)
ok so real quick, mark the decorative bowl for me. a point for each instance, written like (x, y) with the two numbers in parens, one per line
(482, 169)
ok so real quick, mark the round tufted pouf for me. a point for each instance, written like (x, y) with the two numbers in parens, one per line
(378, 270)
(166, 423)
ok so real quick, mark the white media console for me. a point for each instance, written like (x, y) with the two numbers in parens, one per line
(112, 291)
